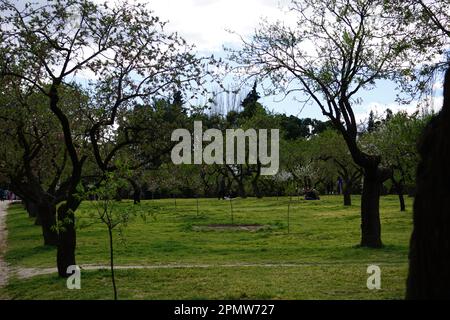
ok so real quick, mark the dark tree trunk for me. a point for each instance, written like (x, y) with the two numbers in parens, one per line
(221, 188)
(401, 198)
(38, 220)
(44, 212)
(255, 180)
(370, 210)
(137, 191)
(65, 256)
(429, 255)
(347, 191)
(256, 189)
(136, 197)
(111, 251)
(47, 214)
(347, 197)
(374, 176)
(241, 189)
(399, 189)
(31, 208)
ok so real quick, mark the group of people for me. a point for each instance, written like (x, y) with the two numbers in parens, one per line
(7, 195)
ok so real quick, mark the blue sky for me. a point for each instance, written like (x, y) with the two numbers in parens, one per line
(205, 23)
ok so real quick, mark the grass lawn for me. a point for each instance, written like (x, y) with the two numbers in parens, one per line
(318, 258)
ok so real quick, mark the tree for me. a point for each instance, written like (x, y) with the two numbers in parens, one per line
(330, 146)
(428, 276)
(124, 47)
(108, 213)
(259, 119)
(336, 50)
(429, 255)
(293, 128)
(371, 122)
(429, 19)
(250, 104)
(32, 155)
(299, 165)
(395, 139)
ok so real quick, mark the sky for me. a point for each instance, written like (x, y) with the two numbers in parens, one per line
(206, 23)
(212, 24)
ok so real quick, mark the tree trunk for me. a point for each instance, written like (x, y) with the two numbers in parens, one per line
(241, 189)
(137, 196)
(429, 255)
(47, 214)
(398, 185)
(38, 220)
(255, 180)
(347, 198)
(401, 198)
(31, 208)
(347, 194)
(370, 210)
(256, 189)
(65, 255)
(221, 188)
(111, 251)
(137, 191)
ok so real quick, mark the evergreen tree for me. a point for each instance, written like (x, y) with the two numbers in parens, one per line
(371, 122)
(250, 104)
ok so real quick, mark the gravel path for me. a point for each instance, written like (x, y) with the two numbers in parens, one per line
(3, 237)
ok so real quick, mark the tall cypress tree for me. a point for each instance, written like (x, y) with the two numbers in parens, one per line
(250, 104)
(371, 122)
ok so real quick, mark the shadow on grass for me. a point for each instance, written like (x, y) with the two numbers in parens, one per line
(15, 256)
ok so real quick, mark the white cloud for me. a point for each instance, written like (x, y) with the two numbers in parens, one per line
(205, 22)
(438, 85)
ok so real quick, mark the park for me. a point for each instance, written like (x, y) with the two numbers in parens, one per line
(302, 155)
(318, 258)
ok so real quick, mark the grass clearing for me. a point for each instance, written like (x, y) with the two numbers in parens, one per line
(322, 244)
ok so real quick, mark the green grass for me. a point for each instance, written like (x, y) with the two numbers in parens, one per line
(322, 241)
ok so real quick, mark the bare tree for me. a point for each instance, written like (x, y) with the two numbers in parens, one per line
(335, 50)
(122, 49)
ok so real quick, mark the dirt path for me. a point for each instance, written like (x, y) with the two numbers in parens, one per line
(4, 272)
(23, 273)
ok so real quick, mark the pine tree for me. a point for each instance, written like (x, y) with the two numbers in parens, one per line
(250, 104)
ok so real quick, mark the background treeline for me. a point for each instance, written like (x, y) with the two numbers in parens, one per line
(313, 155)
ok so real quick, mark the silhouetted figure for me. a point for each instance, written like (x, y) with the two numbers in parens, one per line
(429, 257)
(340, 185)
